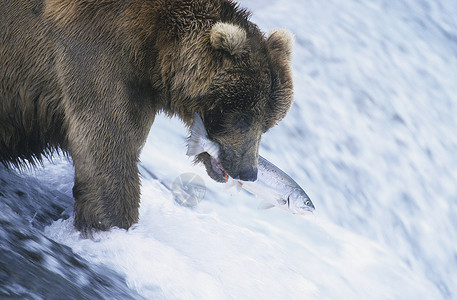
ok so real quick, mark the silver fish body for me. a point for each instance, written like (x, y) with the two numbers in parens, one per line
(275, 187)
(278, 189)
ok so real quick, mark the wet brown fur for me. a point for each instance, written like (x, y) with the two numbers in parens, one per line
(89, 76)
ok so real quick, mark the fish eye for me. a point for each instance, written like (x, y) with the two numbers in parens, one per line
(307, 203)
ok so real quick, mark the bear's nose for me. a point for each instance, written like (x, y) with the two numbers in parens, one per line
(248, 174)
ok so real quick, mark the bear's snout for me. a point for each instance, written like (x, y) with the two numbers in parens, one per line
(241, 162)
(247, 174)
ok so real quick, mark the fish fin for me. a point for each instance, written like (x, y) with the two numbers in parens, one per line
(229, 185)
(265, 205)
(197, 133)
(194, 148)
(233, 183)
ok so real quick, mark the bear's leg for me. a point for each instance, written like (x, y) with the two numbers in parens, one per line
(106, 197)
(109, 109)
(107, 185)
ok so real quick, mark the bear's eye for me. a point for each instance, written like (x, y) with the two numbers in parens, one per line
(213, 120)
(242, 122)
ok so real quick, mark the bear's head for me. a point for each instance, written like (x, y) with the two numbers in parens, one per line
(250, 93)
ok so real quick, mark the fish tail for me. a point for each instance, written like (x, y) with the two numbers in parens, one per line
(198, 133)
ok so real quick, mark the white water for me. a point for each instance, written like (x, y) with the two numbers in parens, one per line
(372, 140)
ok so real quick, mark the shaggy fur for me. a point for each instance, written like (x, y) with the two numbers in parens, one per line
(228, 37)
(89, 76)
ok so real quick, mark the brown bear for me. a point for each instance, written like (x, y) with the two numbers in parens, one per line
(88, 77)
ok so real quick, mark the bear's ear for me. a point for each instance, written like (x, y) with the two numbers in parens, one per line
(280, 42)
(228, 37)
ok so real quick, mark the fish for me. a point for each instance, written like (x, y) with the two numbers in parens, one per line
(275, 187)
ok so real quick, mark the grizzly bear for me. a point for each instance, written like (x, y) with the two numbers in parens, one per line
(88, 77)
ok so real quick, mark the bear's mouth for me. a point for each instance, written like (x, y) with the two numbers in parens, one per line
(217, 167)
(214, 168)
